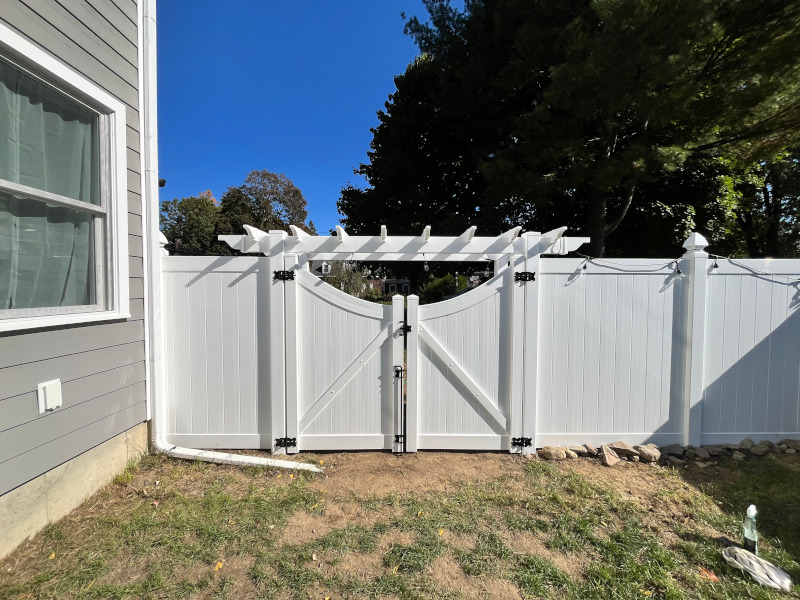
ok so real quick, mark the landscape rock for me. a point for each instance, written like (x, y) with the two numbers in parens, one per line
(570, 453)
(794, 444)
(552, 453)
(608, 457)
(782, 447)
(766, 443)
(635, 458)
(673, 450)
(790, 451)
(729, 447)
(770, 456)
(591, 449)
(702, 465)
(648, 453)
(747, 443)
(701, 454)
(675, 461)
(738, 456)
(580, 450)
(720, 451)
(623, 449)
(759, 450)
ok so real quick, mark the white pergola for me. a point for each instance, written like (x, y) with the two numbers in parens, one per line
(383, 247)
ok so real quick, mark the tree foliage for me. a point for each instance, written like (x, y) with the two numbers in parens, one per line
(190, 222)
(352, 279)
(264, 200)
(579, 112)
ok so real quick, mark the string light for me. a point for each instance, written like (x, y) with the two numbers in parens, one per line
(733, 261)
(425, 266)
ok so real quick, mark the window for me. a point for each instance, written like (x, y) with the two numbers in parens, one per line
(63, 209)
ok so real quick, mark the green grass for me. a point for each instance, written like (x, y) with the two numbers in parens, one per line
(164, 540)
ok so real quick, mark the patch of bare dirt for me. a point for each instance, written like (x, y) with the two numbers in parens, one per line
(355, 564)
(376, 473)
(524, 542)
(303, 527)
(461, 542)
(447, 575)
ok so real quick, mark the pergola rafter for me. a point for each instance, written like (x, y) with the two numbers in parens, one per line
(383, 247)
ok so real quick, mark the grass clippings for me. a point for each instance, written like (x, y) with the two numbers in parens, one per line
(432, 525)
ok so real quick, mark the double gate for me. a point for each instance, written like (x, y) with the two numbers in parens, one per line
(260, 353)
(402, 377)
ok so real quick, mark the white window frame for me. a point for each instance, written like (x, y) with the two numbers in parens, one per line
(111, 241)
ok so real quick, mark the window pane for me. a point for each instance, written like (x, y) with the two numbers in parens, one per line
(46, 255)
(48, 141)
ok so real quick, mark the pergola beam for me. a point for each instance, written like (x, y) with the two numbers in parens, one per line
(466, 247)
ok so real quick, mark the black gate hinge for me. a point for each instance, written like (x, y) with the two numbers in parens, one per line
(283, 275)
(398, 372)
(285, 442)
(525, 276)
(523, 442)
(399, 438)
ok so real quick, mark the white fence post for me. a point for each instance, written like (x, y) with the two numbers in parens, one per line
(398, 320)
(695, 263)
(293, 375)
(412, 375)
(277, 341)
(531, 341)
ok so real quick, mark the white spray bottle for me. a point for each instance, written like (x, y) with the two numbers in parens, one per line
(749, 532)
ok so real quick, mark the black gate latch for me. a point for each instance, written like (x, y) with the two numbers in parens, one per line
(524, 442)
(285, 442)
(525, 276)
(398, 372)
(283, 275)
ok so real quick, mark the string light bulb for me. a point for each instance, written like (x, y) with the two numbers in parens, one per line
(425, 266)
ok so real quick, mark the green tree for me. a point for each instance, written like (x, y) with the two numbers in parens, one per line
(569, 109)
(190, 222)
(266, 201)
(765, 201)
(350, 278)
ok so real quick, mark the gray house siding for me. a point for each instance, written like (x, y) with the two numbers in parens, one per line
(101, 366)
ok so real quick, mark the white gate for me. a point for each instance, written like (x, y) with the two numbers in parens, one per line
(341, 378)
(460, 366)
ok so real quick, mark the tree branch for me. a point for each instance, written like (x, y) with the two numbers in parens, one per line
(614, 224)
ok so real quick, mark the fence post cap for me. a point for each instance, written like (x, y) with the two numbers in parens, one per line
(695, 243)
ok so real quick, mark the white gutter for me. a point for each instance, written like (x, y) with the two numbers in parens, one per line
(154, 366)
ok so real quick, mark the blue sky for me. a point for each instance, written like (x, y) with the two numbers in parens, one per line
(290, 86)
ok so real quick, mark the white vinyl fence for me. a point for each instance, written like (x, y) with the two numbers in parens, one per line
(552, 350)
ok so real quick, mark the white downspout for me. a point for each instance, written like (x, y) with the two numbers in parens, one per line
(154, 366)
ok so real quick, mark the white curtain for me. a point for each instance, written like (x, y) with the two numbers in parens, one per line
(50, 142)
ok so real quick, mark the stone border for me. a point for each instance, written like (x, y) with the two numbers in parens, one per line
(673, 455)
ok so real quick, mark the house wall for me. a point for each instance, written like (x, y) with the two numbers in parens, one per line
(101, 366)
